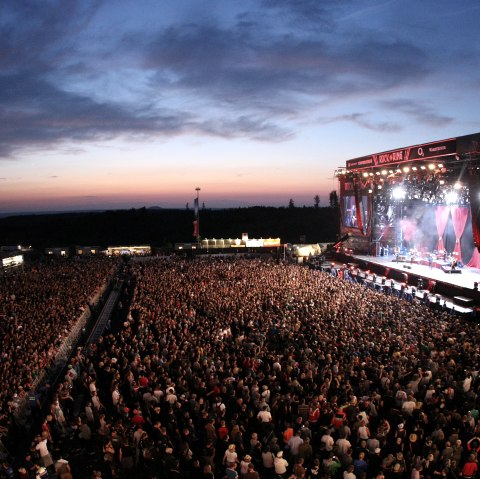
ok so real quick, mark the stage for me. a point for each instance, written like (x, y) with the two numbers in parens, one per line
(463, 277)
(454, 291)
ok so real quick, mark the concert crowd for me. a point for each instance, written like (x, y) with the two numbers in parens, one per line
(255, 368)
(38, 306)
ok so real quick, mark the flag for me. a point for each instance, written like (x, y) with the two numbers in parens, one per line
(196, 221)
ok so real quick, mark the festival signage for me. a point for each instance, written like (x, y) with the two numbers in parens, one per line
(427, 151)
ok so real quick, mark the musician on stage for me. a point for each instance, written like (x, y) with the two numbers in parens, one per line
(454, 264)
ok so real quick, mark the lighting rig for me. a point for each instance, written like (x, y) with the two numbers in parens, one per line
(435, 182)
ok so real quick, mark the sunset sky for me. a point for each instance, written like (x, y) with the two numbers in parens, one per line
(122, 103)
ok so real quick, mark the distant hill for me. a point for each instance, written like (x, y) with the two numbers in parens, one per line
(160, 227)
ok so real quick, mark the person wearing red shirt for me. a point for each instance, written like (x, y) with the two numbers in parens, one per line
(137, 419)
(314, 414)
(470, 468)
(222, 431)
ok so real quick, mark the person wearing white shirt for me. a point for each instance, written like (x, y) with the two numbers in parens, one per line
(280, 464)
(43, 451)
(328, 442)
(348, 474)
(264, 415)
(409, 405)
(343, 445)
(294, 443)
(115, 395)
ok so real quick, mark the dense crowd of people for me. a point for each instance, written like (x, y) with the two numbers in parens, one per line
(227, 368)
(38, 306)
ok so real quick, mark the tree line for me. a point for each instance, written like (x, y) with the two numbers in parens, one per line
(163, 227)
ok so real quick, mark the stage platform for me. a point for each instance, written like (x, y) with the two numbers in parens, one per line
(454, 290)
(465, 279)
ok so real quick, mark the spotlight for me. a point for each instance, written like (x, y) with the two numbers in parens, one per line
(451, 198)
(431, 166)
(457, 185)
(365, 174)
(406, 169)
(398, 193)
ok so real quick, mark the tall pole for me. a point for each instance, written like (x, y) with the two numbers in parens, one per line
(197, 214)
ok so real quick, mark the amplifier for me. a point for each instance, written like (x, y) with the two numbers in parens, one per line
(448, 269)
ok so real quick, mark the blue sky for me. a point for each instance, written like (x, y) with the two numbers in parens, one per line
(110, 104)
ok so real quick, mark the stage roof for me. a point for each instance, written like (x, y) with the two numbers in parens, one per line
(462, 148)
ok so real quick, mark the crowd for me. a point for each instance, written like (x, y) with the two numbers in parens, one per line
(263, 369)
(38, 306)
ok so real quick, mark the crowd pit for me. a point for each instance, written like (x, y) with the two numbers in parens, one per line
(263, 369)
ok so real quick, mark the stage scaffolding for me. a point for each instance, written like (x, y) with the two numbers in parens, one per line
(421, 201)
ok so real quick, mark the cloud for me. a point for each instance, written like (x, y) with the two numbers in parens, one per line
(254, 76)
(305, 11)
(418, 111)
(243, 67)
(361, 119)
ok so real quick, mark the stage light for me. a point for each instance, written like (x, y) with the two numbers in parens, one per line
(457, 185)
(406, 169)
(423, 167)
(414, 168)
(431, 166)
(440, 166)
(442, 182)
(365, 174)
(384, 172)
(451, 198)
(398, 193)
(370, 191)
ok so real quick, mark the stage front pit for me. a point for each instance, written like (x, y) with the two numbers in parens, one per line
(410, 280)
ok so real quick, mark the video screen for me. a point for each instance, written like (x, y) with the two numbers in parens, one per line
(351, 214)
(350, 219)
